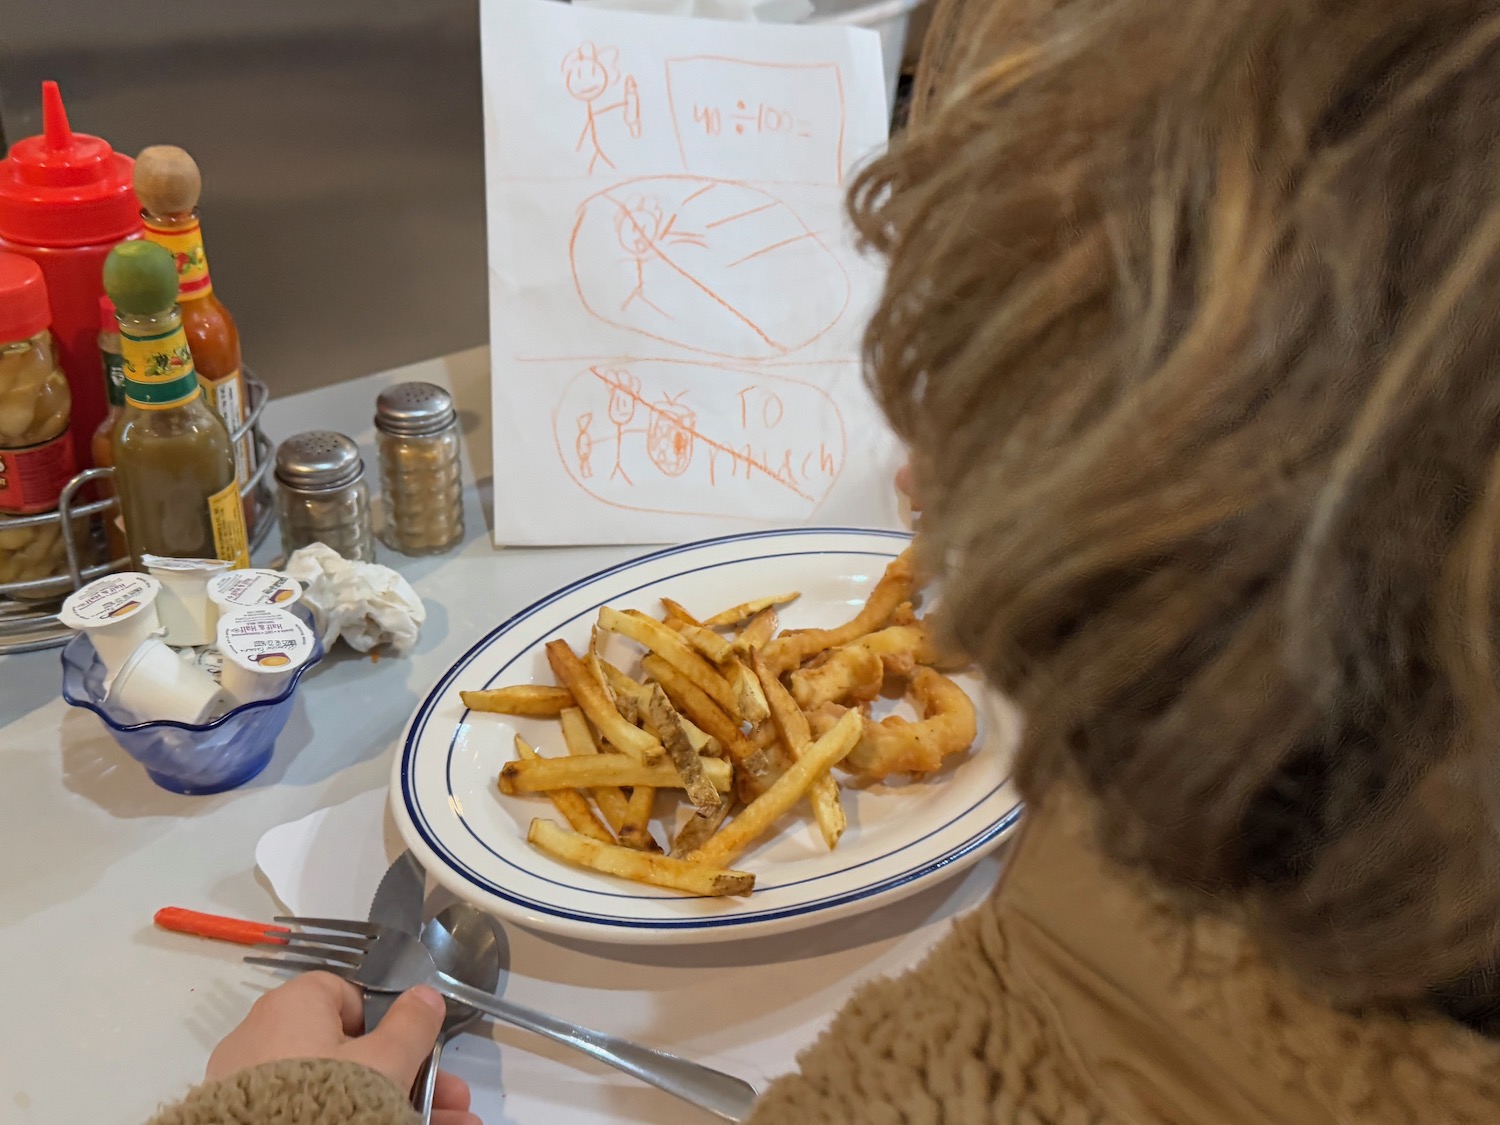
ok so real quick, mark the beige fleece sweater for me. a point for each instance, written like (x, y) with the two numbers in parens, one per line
(1074, 996)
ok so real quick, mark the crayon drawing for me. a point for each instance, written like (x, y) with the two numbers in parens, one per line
(705, 264)
(676, 296)
(746, 443)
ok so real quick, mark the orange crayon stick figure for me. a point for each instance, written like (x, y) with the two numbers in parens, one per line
(589, 72)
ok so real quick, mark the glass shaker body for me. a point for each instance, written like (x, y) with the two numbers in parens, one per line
(420, 477)
(321, 495)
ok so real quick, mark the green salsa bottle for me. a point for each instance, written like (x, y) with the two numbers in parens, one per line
(174, 462)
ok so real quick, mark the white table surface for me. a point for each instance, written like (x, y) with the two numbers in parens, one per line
(102, 1017)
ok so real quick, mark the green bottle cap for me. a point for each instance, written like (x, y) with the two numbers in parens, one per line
(140, 278)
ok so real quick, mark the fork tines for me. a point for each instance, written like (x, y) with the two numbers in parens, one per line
(338, 951)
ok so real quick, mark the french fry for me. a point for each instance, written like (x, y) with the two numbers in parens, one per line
(746, 610)
(580, 743)
(591, 697)
(673, 649)
(702, 792)
(698, 828)
(631, 697)
(796, 734)
(752, 700)
(675, 611)
(537, 700)
(637, 830)
(573, 805)
(708, 643)
(757, 634)
(639, 867)
(789, 650)
(760, 814)
(542, 775)
(697, 706)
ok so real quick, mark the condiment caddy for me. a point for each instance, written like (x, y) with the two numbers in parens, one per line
(113, 385)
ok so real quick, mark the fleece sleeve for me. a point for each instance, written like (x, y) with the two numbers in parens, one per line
(294, 1092)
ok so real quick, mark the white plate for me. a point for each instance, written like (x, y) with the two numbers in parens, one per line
(900, 835)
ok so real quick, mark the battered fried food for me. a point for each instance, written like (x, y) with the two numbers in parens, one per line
(789, 650)
(895, 745)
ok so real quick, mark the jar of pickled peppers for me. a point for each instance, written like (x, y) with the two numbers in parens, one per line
(36, 450)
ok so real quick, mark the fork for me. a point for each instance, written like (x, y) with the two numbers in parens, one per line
(382, 959)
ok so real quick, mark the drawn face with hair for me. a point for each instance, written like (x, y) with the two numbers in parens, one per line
(639, 225)
(588, 71)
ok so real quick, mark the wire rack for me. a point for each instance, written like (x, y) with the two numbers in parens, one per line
(28, 610)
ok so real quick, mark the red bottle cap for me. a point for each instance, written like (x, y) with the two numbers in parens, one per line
(65, 188)
(23, 299)
(107, 321)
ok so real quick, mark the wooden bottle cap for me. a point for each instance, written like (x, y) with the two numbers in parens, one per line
(167, 181)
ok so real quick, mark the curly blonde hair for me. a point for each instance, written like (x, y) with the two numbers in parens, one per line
(1191, 324)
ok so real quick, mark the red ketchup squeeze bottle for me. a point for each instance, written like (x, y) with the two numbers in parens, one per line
(66, 198)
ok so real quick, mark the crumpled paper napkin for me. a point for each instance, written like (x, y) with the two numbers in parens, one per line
(744, 11)
(365, 603)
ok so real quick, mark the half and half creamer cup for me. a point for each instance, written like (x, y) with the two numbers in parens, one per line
(262, 649)
(118, 612)
(247, 589)
(185, 610)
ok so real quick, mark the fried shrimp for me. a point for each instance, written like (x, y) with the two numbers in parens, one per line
(895, 745)
(894, 589)
(850, 673)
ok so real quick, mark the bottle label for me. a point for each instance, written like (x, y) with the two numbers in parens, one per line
(32, 479)
(158, 369)
(185, 245)
(114, 377)
(227, 397)
(227, 514)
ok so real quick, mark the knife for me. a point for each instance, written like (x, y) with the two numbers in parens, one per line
(397, 903)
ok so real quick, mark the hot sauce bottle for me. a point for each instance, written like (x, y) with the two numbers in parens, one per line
(168, 184)
(174, 461)
(104, 436)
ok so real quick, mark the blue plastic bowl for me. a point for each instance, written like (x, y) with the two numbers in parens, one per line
(184, 758)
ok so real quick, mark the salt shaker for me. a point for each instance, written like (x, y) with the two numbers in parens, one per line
(322, 496)
(417, 435)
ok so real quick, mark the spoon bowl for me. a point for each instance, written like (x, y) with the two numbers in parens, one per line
(468, 946)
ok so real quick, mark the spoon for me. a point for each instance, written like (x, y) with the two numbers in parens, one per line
(469, 947)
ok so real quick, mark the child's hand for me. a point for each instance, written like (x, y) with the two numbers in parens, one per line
(318, 1016)
(904, 486)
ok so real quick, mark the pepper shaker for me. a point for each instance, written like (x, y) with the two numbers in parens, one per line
(321, 495)
(417, 435)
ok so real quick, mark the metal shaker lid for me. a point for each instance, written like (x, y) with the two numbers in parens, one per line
(414, 410)
(318, 461)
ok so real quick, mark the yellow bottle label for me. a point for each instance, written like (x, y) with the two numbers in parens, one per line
(185, 245)
(227, 397)
(228, 517)
(159, 369)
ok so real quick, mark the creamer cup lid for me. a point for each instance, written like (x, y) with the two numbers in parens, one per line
(159, 563)
(109, 600)
(248, 588)
(265, 640)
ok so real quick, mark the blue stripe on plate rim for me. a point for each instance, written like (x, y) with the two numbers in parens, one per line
(419, 820)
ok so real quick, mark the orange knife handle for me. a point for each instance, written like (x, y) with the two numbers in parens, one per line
(218, 927)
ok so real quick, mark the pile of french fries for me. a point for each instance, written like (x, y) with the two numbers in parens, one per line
(710, 716)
